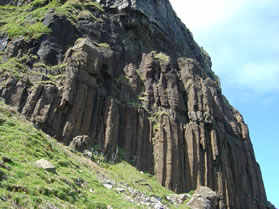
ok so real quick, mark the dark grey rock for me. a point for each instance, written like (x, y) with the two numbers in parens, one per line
(3, 43)
(54, 45)
(7, 160)
(15, 2)
(15, 47)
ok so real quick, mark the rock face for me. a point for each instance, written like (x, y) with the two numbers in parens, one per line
(204, 198)
(135, 79)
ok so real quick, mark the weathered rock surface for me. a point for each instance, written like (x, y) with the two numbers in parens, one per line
(136, 79)
(46, 165)
(81, 143)
(178, 199)
(204, 198)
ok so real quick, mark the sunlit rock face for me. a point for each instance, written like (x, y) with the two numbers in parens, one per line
(134, 78)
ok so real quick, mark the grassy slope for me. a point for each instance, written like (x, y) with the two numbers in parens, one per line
(27, 20)
(22, 185)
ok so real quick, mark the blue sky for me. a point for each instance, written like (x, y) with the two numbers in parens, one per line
(242, 38)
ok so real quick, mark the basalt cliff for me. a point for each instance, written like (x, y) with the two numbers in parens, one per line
(127, 74)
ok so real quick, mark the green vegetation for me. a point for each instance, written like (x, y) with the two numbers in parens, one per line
(162, 57)
(26, 186)
(155, 127)
(19, 21)
(27, 20)
(104, 45)
(143, 182)
(74, 9)
(159, 113)
(121, 79)
(17, 67)
(76, 183)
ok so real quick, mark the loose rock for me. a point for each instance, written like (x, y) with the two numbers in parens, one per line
(204, 198)
(46, 165)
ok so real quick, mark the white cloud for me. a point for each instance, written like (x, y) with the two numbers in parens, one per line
(242, 39)
(264, 74)
(261, 78)
(199, 15)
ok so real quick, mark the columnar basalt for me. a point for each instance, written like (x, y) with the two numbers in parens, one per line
(135, 79)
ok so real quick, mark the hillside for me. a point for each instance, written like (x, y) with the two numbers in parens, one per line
(125, 78)
(78, 182)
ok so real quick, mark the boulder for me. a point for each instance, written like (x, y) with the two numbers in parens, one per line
(81, 143)
(204, 198)
(177, 199)
(46, 165)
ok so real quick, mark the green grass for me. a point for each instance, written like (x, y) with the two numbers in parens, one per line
(27, 20)
(17, 67)
(14, 66)
(19, 21)
(22, 185)
(141, 181)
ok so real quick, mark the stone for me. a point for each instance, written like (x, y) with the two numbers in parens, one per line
(120, 190)
(56, 43)
(177, 199)
(192, 116)
(4, 199)
(46, 165)
(87, 154)
(7, 159)
(81, 143)
(204, 198)
(3, 43)
(15, 47)
(79, 182)
(207, 118)
(137, 84)
(108, 186)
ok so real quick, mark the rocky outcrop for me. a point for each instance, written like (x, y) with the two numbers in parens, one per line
(127, 81)
(204, 198)
(46, 165)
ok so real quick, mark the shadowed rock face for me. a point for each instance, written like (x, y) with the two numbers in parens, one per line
(149, 90)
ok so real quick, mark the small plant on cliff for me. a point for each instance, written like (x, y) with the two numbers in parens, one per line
(162, 57)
